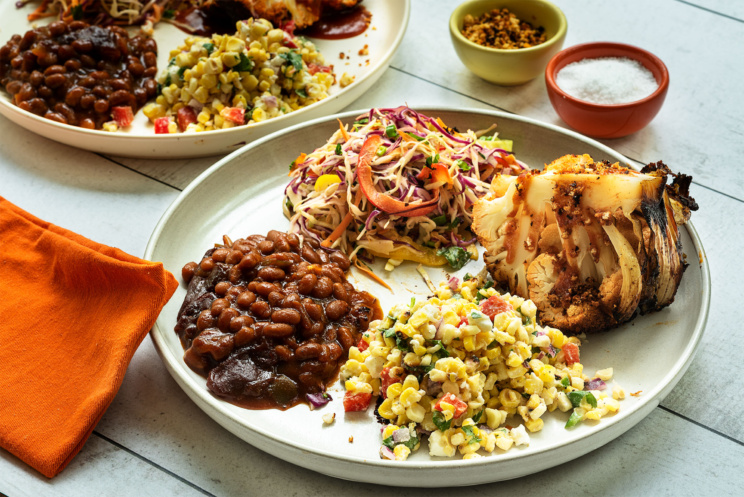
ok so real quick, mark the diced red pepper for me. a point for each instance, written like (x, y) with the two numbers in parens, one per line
(123, 116)
(356, 401)
(234, 114)
(362, 345)
(449, 398)
(185, 116)
(313, 68)
(162, 125)
(570, 353)
(390, 376)
(494, 305)
(289, 27)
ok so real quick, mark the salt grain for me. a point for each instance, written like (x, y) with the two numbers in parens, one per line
(607, 80)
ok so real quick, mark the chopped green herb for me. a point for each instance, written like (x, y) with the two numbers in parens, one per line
(245, 64)
(169, 14)
(419, 370)
(440, 220)
(442, 352)
(573, 420)
(432, 160)
(455, 223)
(301, 92)
(338, 149)
(477, 417)
(476, 315)
(181, 71)
(473, 438)
(77, 12)
(389, 333)
(457, 257)
(467, 277)
(361, 122)
(294, 58)
(172, 62)
(391, 131)
(289, 205)
(439, 421)
(493, 345)
(577, 395)
(381, 151)
(464, 166)
(416, 137)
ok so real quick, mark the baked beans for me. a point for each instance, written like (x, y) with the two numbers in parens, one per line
(74, 73)
(268, 320)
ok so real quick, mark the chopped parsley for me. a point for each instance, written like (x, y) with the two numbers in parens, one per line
(457, 257)
(439, 421)
(169, 14)
(462, 165)
(472, 437)
(411, 443)
(432, 160)
(302, 92)
(245, 64)
(573, 420)
(294, 58)
(77, 12)
(338, 149)
(181, 71)
(477, 417)
(577, 395)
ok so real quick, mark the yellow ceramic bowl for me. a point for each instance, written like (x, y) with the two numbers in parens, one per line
(509, 67)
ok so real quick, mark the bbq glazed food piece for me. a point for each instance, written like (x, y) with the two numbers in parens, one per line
(280, 12)
(591, 244)
(268, 320)
(80, 74)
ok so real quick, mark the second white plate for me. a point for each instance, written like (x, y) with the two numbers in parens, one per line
(242, 194)
(389, 22)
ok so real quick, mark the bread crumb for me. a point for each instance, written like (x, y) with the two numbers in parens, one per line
(364, 50)
(329, 418)
(351, 440)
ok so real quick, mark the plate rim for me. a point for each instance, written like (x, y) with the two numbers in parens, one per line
(632, 414)
(26, 119)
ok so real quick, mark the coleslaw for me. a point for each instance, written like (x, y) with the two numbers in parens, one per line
(396, 184)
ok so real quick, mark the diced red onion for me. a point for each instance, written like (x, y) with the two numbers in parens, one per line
(595, 384)
(318, 399)
(454, 283)
(401, 435)
(387, 453)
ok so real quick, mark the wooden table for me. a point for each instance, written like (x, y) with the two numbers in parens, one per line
(154, 441)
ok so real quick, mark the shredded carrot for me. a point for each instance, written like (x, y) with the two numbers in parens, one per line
(372, 275)
(338, 231)
(636, 394)
(299, 160)
(343, 130)
(158, 13)
(40, 12)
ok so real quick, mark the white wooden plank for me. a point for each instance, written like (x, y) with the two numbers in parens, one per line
(698, 129)
(733, 9)
(99, 469)
(80, 191)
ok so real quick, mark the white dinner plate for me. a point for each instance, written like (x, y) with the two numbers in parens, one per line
(242, 195)
(386, 30)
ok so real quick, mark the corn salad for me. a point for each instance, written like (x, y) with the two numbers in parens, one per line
(229, 80)
(459, 365)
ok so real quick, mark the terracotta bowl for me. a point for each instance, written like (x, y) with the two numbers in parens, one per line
(509, 67)
(606, 121)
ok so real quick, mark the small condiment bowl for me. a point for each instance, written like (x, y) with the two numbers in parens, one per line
(606, 121)
(516, 66)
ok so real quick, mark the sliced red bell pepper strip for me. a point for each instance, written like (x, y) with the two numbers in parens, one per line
(185, 116)
(380, 200)
(571, 353)
(356, 401)
(459, 405)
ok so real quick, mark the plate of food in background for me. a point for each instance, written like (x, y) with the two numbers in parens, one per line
(428, 273)
(172, 79)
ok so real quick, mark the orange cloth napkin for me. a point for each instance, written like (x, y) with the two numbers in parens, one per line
(72, 314)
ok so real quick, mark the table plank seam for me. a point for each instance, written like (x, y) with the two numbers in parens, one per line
(153, 464)
(701, 425)
(711, 11)
(137, 171)
(452, 90)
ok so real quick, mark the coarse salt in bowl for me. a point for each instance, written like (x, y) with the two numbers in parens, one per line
(609, 90)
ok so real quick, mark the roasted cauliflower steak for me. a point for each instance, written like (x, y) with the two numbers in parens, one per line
(590, 243)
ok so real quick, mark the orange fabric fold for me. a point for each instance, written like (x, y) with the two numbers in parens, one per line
(72, 314)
